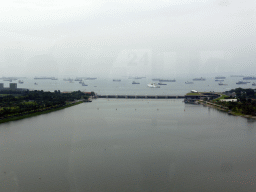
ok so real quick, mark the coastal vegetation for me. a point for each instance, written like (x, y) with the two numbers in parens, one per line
(18, 105)
(245, 105)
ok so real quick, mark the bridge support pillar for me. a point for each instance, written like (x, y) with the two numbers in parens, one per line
(126, 97)
(156, 97)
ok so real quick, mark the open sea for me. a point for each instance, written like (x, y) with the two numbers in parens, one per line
(108, 86)
(129, 144)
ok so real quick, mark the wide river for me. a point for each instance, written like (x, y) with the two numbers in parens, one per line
(129, 145)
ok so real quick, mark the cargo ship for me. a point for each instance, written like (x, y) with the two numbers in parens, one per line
(220, 77)
(249, 78)
(162, 84)
(52, 78)
(199, 79)
(91, 78)
(167, 80)
(134, 82)
(241, 82)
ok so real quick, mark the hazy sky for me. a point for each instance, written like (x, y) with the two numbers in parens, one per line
(165, 38)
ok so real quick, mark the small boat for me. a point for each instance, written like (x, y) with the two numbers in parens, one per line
(134, 82)
(117, 80)
(35, 83)
(83, 84)
(153, 85)
(20, 81)
(253, 84)
(189, 82)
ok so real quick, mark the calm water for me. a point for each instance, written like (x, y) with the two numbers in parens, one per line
(107, 86)
(129, 145)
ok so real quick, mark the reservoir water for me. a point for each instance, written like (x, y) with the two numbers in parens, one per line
(129, 145)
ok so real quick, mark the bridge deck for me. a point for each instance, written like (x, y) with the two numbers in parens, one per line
(141, 96)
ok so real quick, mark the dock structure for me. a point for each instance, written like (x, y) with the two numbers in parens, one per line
(141, 96)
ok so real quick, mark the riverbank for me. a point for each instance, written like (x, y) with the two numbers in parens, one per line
(32, 114)
(225, 109)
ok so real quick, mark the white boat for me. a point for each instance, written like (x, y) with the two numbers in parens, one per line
(189, 82)
(153, 85)
(20, 81)
(253, 84)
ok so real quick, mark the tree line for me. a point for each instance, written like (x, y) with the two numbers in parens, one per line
(17, 103)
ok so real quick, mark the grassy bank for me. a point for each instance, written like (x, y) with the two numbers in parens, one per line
(37, 113)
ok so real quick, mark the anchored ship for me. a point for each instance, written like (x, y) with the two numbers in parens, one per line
(167, 80)
(241, 82)
(249, 78)
(220, 77)
(199, 79)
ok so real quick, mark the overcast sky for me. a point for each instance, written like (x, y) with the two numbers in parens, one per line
(168, 38)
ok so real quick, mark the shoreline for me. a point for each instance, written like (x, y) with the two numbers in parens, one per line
(218, 107)
(15, 118)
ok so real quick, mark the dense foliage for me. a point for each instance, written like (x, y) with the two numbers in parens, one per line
(17, 103)
(246, 103)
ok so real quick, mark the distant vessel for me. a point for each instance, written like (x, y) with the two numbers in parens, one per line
(83, 84)
(241, 82)
(78, 79)
(219, 80)
(153, 85)
(117, 80)
(20, 81)
(7, 79)
(67, 79)
(249, 78)
(199, 79)
(134, 82)
(220, 77)
(156, 79)
(236, 76)
(91, 78)
(187, 82)
(162, 84)
(221, 83)
(35, 83)
(253, 84)
(167, 80)
(52, 78)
